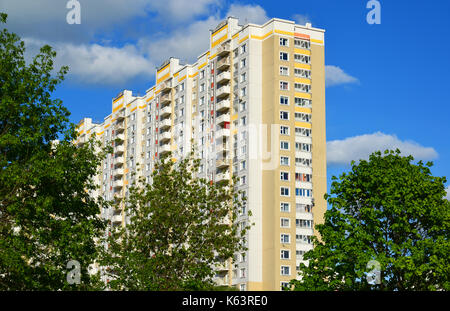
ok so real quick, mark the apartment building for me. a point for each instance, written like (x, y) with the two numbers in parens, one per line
(254, 105)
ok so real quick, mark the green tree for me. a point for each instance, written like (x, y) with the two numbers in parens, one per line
(182, 227)
(386, 209)
(47, 216)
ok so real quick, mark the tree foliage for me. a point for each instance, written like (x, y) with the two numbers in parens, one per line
(47, 216)
(181, 228)
(386, 209)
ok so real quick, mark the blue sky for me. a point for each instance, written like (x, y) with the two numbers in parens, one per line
(387, 84)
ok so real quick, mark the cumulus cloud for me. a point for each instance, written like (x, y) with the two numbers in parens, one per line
(336, 76)
(93, 63)
(248, 14)
(187, 43)
(342, 152)
(301, 19)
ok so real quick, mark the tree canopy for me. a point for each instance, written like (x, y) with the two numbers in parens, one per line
(387, 210)
(47, 215)
(183, 231)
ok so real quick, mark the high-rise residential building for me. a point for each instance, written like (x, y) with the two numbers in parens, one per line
(254, 105)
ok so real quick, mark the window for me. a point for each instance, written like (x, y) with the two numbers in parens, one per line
(284, 100)
(243, 180)
(285, 238)
(242, 273)
(302, 102)
(300, 192)
(284, 115)
(299, 254)
(303, 73)
(202, 87)
(284, 223)
(243, 165)
(284, 207)
(284, 86)
(304, 59)
(202, 101)
(303, 162)
(284, 191)
(302, 44)
(202, 74)
(243, 120)
(243, 62)
(302, 177)
(300, 131)
(303, 117)
(243, 48)
(181, 87)
(243, 106)
(243, 91)
(284, 285)
(243, 77)
(284, 56)
(284, 130)
(303, 223)
(284, 42)
(303, 147)
(284, 71)
(284, 145)
(242, 287)
(285, 254)
(284, 160)
(301, 87)
(305, 239)
(285, 270)
(284, 176)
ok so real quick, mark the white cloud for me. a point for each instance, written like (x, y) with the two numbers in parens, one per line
(301, 19)
(187, 43)
(448, 193)
(248, 14)
(360, 147)
(336, 76)
(99, 64)
(182, 10)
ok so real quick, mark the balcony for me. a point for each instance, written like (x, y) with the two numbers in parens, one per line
(116, 219)
(223, 63)
(223, 118)
(119, 149)
(166, 123)
(118, 172)
(165, 136)
(118, 183)
(223, 77)
(120, 126)
(222, 133)
(167, 98)
(120, 136)
(223, 91)
(223, 49)
(120, 115)
(166, 86)
(223, 105)
(221, 177)
(166, 111)
(164, 149)
(118, 161)
(221, 148)
(223, 163)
